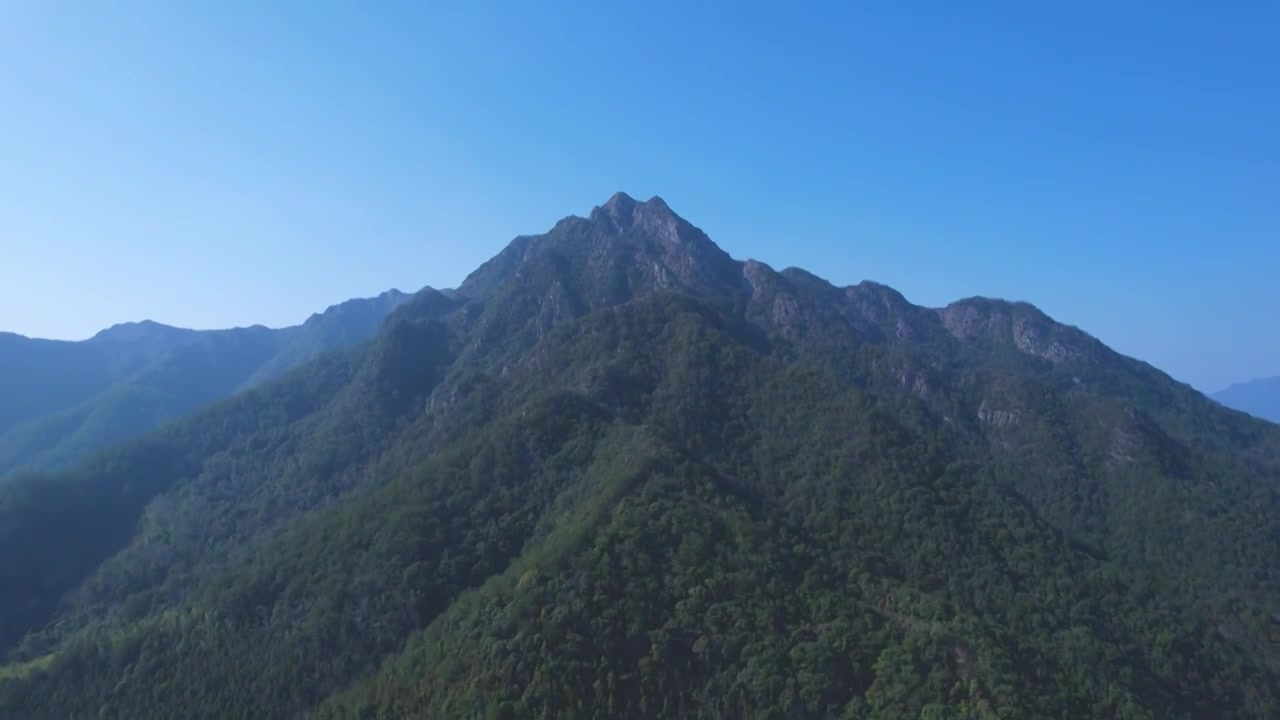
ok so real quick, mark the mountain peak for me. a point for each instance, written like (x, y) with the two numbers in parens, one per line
(657, 203)
(619, 202)
(642, 231)
(621, 212)
(617, 208)
(134, 331)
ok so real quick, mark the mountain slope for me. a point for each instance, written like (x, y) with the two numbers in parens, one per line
(132, 378)
(1260, 398)
(340, 326)
(619, 474)
(42, 377)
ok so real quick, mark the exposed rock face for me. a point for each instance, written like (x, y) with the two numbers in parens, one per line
(1020, 325)
(758, 277)
(996, 417)
(678, 253)
(627, 248)
(632, 246)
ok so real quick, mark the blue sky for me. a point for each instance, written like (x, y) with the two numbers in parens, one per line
(211, 164)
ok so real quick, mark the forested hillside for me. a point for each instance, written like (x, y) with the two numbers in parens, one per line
(67, 400)
(620, 474)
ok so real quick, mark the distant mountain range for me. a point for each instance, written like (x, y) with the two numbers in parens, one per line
(66, 400)
(1260, 398)
(621, 474)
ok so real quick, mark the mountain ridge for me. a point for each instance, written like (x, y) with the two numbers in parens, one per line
(135, 376)
(1260, 398)
(126, 330)
(613, 476)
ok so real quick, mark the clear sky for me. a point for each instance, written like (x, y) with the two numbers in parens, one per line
(219, 163)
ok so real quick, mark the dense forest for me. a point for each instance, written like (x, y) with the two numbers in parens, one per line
(619, 474)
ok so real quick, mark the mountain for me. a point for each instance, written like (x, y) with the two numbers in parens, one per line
(618, 473)
(340, 326)
(74, 398)
(1260, 398)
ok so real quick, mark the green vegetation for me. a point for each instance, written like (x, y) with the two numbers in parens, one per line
(17, 671)
(65, 401)
(613, 478)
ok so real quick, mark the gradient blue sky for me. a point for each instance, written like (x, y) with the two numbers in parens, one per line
(210, 164)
